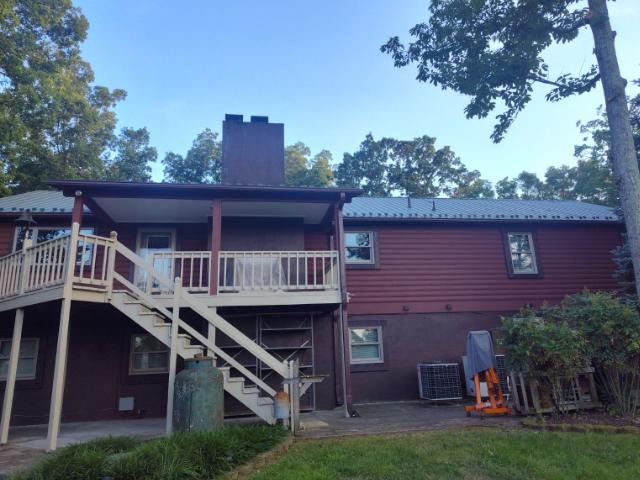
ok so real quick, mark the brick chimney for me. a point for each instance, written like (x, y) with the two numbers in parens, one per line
(252, 152)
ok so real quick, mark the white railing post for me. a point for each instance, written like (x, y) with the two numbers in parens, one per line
(24, 269)
(294, 396)
(175, 323)
(111, 250)
(11, 376)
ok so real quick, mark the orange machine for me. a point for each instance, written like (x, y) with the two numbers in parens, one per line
(496, 400)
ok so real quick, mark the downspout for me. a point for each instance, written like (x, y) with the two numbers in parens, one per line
(344, 327)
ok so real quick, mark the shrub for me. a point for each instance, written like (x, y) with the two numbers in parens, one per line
(548, 349)
(611, 330)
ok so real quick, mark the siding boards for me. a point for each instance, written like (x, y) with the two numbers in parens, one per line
(427, 267)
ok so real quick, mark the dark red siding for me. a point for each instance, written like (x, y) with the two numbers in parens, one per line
(425, 268)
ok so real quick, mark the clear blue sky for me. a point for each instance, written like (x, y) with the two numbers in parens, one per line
(317, 68)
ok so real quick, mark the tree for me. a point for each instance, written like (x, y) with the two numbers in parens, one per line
(560, 183)
(408, 167)
(320, 173)
(133, 156)
(507, 189)
(202, 164)
(493, 50)
(472, 186)
(54, 123)
(296, 158)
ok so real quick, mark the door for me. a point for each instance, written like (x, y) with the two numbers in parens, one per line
(152, 241)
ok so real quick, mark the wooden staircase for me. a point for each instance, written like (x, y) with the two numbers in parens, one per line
(158, 325)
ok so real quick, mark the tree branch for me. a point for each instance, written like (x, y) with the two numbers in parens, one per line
(587, 85)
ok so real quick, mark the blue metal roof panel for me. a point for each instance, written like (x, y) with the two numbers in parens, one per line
(476, 209)
(39, 201)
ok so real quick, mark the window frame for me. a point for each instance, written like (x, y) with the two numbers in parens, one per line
(535, 252)
(374, 263)
(380, 344)
(147, 371)
(3, 378)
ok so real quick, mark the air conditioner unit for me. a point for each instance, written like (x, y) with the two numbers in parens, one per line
(502, 375)
(439, 381)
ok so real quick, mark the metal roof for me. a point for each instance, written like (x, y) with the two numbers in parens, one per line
(39, 201)
(476, 209)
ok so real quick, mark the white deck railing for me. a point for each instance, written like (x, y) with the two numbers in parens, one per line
(45, 264)
(192, 267)
(278, 271)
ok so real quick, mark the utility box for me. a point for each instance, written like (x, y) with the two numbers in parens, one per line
(198, 397)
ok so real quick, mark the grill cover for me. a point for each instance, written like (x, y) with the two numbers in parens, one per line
(480, 354)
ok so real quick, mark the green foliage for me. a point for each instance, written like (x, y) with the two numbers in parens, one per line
(410, 168)
(53, 122)
(546, 347)
(132, 157)
(555, 342)
(301, 170)
(182, 456)
(81, 461)
(461, 453)
(624, 273)
(611, 333)
(202, 164)
(492, 50)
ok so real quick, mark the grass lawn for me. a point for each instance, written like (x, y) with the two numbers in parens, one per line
(462, 454)
(182, 456)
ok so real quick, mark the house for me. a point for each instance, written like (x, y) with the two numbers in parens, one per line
(328, 295)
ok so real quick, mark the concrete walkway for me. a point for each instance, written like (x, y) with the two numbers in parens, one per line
(396, 418)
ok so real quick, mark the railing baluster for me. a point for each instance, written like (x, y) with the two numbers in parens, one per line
(84, 251)
(93, 261)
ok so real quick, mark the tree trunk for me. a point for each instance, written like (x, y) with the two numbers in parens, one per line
(625, 163)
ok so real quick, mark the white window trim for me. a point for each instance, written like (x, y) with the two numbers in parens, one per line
(146, 371)
(379, 343)
(372, 260)
(534, 259)
(35, 357)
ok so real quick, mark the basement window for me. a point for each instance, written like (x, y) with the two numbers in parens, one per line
(523, 256)
(27, 358)
(365, 345)
(148, 355)
(359, 247)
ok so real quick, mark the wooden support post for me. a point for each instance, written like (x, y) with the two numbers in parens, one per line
(78, 210)
(216, 241)
(173, 352)
(294, 397)
(57, 393)
(211, 336)
(11, 376)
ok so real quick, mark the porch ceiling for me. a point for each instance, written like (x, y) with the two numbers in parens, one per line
(160, 210)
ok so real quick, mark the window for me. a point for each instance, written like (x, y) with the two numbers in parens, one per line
(27, 358)
(523, 257)
(44, 234)
(359, 247)
(365, 345)
(148, 355)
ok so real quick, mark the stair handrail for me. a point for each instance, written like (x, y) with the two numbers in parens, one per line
(191, 301)
(194, 333)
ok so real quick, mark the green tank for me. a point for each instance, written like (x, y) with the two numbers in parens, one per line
(198, 397)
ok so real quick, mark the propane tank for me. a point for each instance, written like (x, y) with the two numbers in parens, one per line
(198, 398)
(281, 406)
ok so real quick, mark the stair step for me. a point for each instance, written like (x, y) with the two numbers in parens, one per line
(265, 401)
(249, 390)
(236, 379)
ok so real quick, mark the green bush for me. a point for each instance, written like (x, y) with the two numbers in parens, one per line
(182, 456)
(555, 342)
(546, 347)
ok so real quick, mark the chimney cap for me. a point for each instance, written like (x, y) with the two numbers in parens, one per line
(233, 118)
(258, 119)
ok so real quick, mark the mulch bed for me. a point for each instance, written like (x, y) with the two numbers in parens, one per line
(591, 417)
(594, 421)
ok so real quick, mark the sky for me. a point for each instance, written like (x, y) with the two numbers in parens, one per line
(317, 68)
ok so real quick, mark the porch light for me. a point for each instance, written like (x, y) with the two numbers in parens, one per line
(25, 221)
